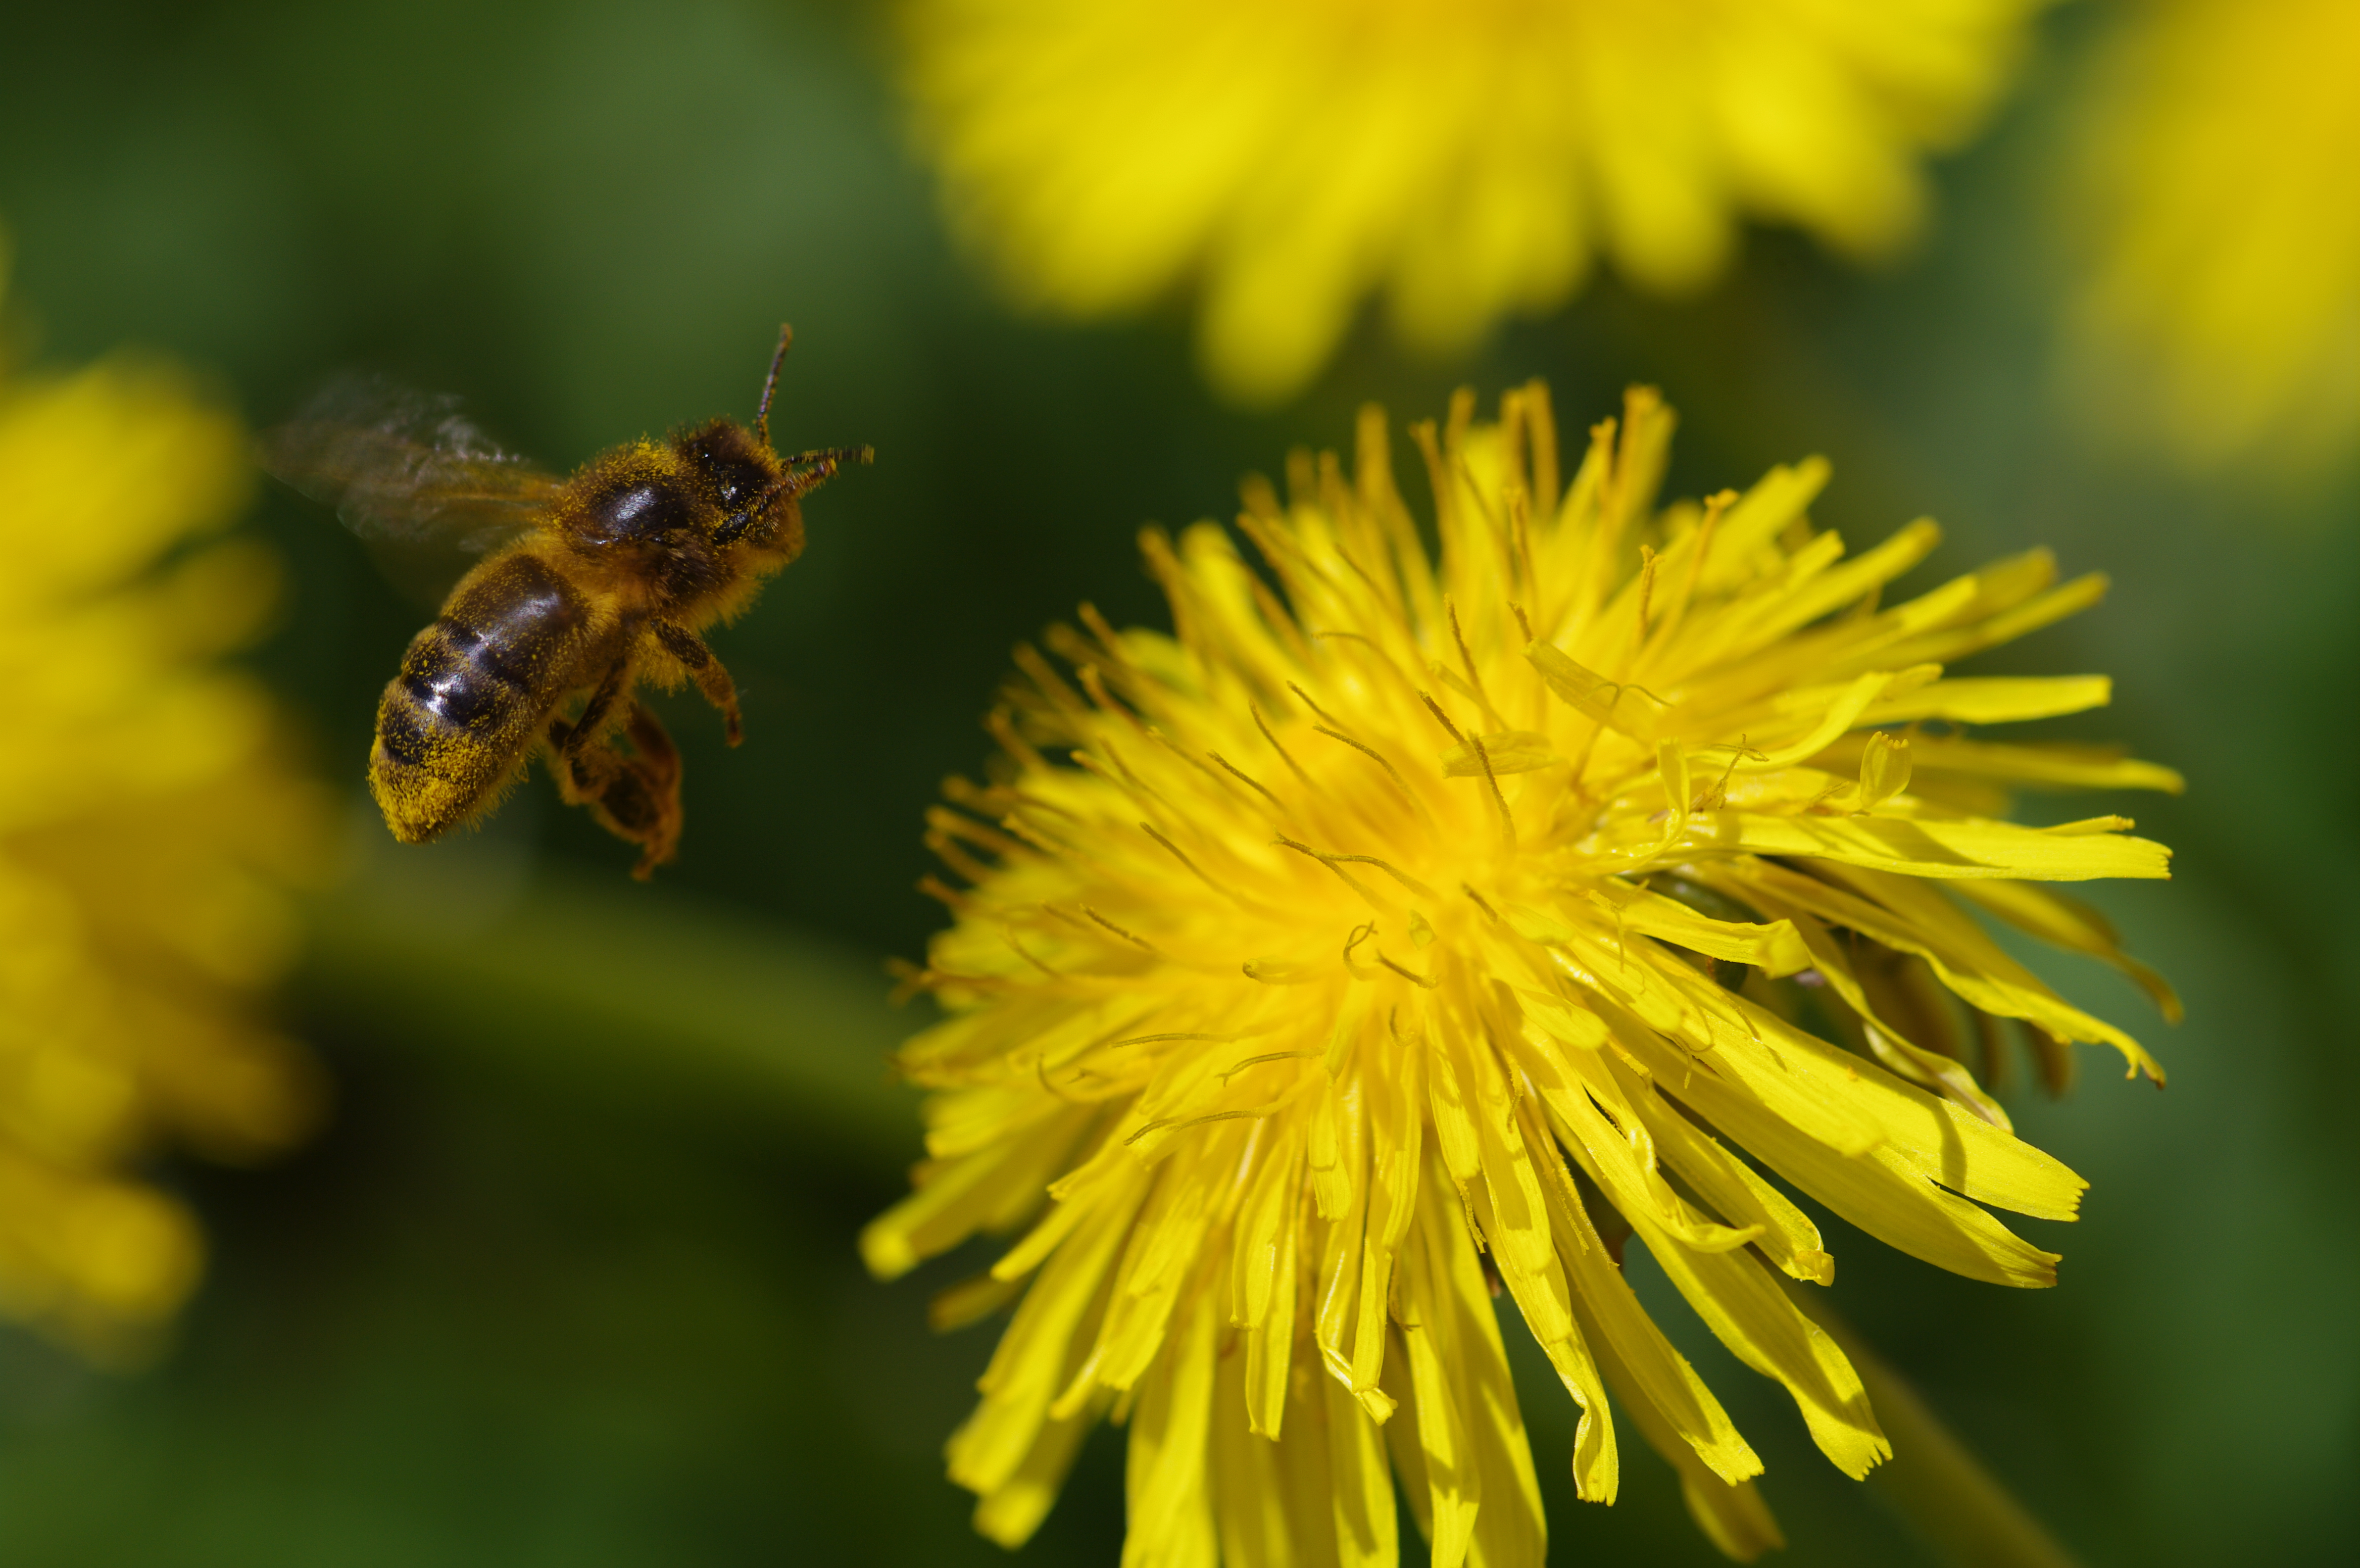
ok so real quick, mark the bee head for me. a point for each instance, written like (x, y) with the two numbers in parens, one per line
(751, 489)
(723, 460)
(735, 474)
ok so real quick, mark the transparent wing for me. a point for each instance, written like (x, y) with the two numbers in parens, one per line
(399, 464)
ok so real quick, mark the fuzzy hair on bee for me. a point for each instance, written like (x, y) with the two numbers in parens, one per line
(606, 579)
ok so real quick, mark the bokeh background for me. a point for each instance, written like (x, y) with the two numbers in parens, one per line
(568, 1278)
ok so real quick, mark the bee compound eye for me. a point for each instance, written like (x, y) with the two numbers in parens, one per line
(640, 509)
(734, 477)
(738, 481)
(728, 465)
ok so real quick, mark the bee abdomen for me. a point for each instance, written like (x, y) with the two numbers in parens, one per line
(472, 691)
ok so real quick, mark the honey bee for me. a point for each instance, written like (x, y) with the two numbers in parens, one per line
(594, 584)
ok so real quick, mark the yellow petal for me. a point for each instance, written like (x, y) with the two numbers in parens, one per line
(1772, 945)
(1262, 1274)
(1658, 1387)
(1885, 766)
(1749, 1313)
(1917, 1131)
(1169, 1503)
(1926, 848)
(1506, 751)
(1995, 699)
(1929, 1068)
(2073, 925)
(1784, 1232)
(1591, 695)
(966, 1194)
(1541, 1293)
(2053, 766)
(1396, 1168)
(1479, 1463)
(1257, 1509)
(1730, 1513)
(1362, 1486)
(1911, 917)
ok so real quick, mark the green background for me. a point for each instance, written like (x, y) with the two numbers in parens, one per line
(570, 1281)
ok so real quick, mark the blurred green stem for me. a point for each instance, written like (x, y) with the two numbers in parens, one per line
(1951, 1503)
(618, 989)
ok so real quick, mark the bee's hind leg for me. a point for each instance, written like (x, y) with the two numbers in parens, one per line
(647, 812)
(633, 795)
(707, 672)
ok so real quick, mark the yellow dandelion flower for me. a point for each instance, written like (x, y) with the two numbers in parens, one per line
(1421, 925)
(2223, 309)
(1465, 159)
(148, 833)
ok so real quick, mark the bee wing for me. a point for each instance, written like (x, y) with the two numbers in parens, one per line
(399, 464)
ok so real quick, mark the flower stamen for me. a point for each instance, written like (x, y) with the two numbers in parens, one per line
(1249, 780)
(1474, 677)
(1330, 862)
(1283, 754)
(1379, 758)
(1232, 1072)
(1499, 798)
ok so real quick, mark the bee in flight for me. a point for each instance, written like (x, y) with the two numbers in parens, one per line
(593, 583)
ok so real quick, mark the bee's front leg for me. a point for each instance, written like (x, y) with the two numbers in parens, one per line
(820, 464)
(707, 672)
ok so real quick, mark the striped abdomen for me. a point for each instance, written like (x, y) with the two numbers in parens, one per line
(474, 690)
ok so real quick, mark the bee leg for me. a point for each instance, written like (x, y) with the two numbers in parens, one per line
(707, 672)
(822, 463)
(633, 795)
(652, 797)
(583, 771)
(594, 712)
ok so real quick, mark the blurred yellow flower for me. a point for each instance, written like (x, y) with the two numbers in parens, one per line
(1465, 156)
(149, 834)
(2223, 309)
(1341, 959)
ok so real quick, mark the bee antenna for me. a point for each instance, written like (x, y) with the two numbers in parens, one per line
(771, 384)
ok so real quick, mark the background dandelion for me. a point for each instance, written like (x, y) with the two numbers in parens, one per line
(570, 1275)
(152, 828)
(2220, 317)
(1468, 161)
